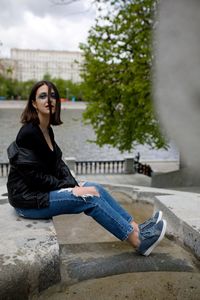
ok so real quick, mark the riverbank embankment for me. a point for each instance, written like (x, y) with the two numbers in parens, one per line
(20, 104)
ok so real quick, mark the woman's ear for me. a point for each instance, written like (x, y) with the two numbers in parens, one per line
(34, 104)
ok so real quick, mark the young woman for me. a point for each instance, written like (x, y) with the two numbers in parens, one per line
(40, 185)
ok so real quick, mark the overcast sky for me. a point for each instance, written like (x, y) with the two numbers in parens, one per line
(42, 24)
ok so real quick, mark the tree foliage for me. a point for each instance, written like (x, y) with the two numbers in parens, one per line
(117, 75)
(13, 89)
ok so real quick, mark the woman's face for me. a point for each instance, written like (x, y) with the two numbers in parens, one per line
(41, 102)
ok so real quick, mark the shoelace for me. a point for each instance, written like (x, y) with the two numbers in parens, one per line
(148, 233)
(146, 223)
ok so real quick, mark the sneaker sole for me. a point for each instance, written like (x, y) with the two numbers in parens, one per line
(159, 216)
(149, 250)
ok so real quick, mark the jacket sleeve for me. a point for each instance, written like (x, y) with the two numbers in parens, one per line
(64, 173)
(36, 179)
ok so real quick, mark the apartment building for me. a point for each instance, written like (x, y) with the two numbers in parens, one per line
(8, 68)
(34, 64)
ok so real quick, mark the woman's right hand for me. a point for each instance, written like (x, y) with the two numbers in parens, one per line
(81, 191)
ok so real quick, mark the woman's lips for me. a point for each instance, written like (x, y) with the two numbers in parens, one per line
(48, 106)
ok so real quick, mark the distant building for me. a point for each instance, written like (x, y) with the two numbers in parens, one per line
(7, 67)
(29, 64)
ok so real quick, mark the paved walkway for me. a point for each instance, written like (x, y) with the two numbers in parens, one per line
(12, 104)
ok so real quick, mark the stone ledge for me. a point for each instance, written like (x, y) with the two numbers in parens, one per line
(29, 255)
(182, 214)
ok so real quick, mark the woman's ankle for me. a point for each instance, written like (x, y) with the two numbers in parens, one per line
(133, 239)
(135, 226)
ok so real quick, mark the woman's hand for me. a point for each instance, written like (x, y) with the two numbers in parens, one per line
(85, 191)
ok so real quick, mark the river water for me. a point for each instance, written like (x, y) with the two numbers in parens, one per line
(73, 137)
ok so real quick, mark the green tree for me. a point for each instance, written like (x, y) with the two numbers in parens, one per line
(14, 89)
(3, 87)
(117, 75)
(25, 87)
(67, 88)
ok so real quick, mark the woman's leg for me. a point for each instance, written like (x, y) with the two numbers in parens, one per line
(111, 200)
(65, 202)
(113, 203)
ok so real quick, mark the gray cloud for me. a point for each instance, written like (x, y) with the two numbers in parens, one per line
(12, 11)
(38, 24)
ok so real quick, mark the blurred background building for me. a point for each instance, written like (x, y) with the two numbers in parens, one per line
(27, 64)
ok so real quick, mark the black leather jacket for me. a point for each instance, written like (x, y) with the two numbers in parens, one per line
(29, 182)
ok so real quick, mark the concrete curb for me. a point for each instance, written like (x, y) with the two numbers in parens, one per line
(20, 104)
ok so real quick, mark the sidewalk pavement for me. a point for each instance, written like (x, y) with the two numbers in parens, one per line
(20, 104)
(29, 249)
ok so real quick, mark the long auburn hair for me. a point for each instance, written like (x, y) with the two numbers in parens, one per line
(30, 115)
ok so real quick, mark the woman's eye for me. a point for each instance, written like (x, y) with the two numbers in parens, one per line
(42, 96)
(53, 95)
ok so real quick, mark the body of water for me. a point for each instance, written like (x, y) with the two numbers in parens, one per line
(72, 137)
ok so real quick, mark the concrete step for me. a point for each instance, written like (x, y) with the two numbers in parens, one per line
(88, 251)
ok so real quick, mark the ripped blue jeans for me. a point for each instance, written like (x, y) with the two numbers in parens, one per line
(104, 209)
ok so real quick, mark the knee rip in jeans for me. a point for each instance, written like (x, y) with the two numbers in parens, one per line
(84, 196)
(72, 190)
